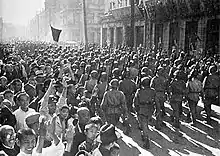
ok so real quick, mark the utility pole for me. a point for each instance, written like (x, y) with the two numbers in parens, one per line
(85, 25)
(1, 26)
(38, 26)
(132, 24)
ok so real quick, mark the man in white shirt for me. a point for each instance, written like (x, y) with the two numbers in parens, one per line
(23, 110)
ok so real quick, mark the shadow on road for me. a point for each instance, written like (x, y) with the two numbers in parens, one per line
(201, 139)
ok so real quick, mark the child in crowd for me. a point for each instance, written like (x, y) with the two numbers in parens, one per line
(91, 131)
(31, 145)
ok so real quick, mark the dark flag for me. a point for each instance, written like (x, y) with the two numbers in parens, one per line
(55, 33)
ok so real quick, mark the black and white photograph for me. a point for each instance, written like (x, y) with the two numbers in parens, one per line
(109, 78)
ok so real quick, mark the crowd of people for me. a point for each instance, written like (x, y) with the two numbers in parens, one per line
(63, 101)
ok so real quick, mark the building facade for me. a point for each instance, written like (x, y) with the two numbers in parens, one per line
(67, 15)
(185, 24)
(1, 29)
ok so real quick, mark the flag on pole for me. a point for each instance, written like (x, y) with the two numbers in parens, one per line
(55, 33)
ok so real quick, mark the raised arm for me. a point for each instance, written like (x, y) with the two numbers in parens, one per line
(44, 101)
(62, 100)
(71, 72)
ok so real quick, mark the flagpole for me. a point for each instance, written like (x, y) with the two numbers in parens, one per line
(85, 26)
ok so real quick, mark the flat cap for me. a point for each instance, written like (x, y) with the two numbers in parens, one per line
(32, 118)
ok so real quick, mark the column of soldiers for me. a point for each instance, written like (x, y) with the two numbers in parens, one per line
(185, 80)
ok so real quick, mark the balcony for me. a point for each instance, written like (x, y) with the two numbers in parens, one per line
(122, 13)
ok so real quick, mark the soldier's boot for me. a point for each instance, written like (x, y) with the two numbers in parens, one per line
(142, 136)
(146, 143)
(180, 110)
(172, 118)
(158, 126)
(176, 123)
(163, 113)
(127, 128)
(140, 128)
(158, 121)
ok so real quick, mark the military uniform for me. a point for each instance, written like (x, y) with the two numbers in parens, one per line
(177, 91)
(114, 104)
(90, 84)
(128, 87)
(211, 86)
(144, 105)
(160, 84)
(194, 87)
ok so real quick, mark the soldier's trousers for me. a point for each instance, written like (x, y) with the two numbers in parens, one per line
(144, 124)
(207, 105)
(159, 100)
(176, 111)
(192, 107)
(129, 101)
(144, 116)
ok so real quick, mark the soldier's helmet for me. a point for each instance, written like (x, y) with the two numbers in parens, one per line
(88, 67)
(166, 61)
(144, 70)
(145, 81)
(115, 63)
(114, 83)
(93, 63)
(104, 76)
(116, 72)
(94, 74)
(126, 73)
(212, 69)
(160, 70)
(82, 64)
(179, 74)
(193, 73)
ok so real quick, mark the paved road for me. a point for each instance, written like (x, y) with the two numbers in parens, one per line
(197, 140)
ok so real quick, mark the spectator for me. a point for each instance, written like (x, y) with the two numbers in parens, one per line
(23, 110)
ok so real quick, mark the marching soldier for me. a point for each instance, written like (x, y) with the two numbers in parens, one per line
(160, 84)
(128, 87)
(114, 104)
(90, 84)
(144, 106)
(211, 85)
(195, 88)
(99, 91)
(177, 90)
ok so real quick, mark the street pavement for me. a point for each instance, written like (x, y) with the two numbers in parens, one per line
(190, 140)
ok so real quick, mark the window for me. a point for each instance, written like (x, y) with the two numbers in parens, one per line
(119, 3)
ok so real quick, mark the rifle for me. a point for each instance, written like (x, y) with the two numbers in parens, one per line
(125, 67)
(139, 72)
(110, 76)
(99, 73)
